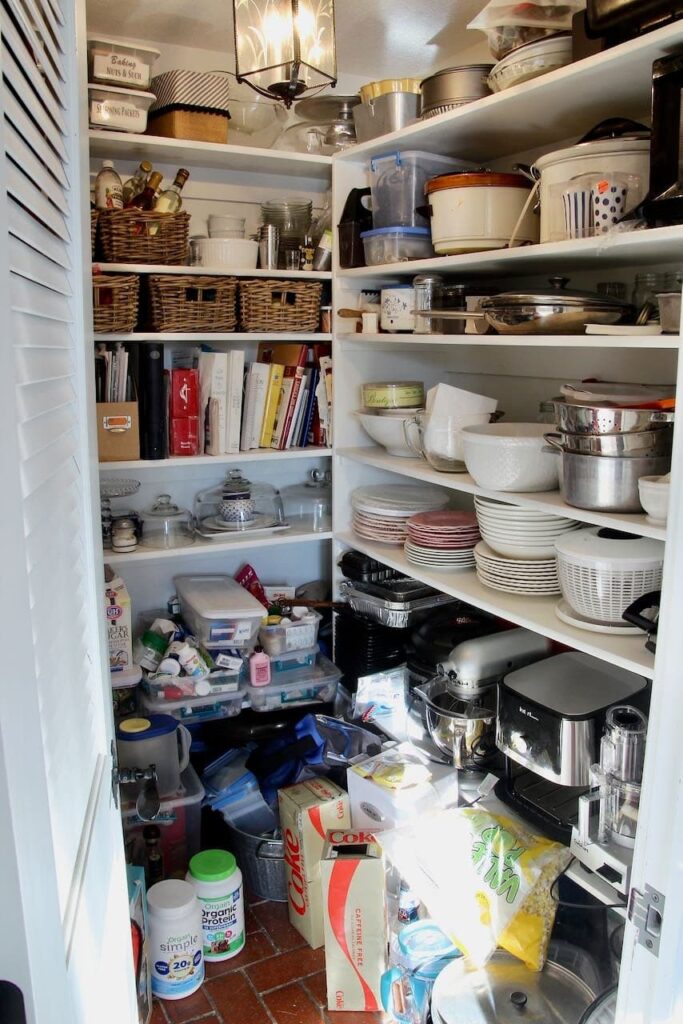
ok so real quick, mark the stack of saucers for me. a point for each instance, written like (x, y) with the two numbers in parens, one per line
(381, 512)
(442, 540)
(520, 532)
(516, 575)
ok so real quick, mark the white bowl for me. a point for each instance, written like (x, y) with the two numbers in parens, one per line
(234, 253)
(654, 497)
(388, 432)
(509, 457)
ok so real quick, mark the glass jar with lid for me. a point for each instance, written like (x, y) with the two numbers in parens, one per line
(237, 503)
(310, 504)
(166, 525)
(427, 288)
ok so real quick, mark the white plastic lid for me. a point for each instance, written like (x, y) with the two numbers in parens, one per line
(172, 899)
(217, 597)
(122, 46)
(601, 547)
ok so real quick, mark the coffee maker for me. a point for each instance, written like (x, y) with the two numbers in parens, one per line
(604, 837)
(664, 202)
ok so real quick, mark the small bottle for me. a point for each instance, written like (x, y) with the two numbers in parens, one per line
(154, 861)
(108, 188)
(307, 253)
(408, 904)
(259, 668)
(170, 200)
(135, 185)
(145, 201)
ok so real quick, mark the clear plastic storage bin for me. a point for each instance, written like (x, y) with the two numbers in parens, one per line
(396, 245)
(397, 183)
(179, 824)
(317, 684)
(111, 62)
(293, 636)
(294, 659)
(218, 611)
(194, 709)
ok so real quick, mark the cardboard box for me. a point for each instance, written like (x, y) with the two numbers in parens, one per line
(355, 920)
(119, 621)
(118, 431)
(137, 910)
(307, 811)
(395, 786)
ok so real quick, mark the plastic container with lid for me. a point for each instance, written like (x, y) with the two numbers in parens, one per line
(294, 659)
(114, 62)
(317, 684)
(402, 394)
(397, 183)
(175, 939)
(396, 245)
(179, 822)
(296, 635)
(118, 109)
(155, 739)
(217, 882)
(218, 611)
(166, 525)
(207, 708)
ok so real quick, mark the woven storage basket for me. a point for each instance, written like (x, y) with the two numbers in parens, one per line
(115, 302)
(280, 305)
(189, 303)
(94, 214)
(134, 236)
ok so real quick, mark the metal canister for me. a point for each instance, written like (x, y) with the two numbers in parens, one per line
(427, 289)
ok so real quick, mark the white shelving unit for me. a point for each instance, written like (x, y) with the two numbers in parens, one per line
(236, 337)
(235, 543)
(180, 462)
(162, 268)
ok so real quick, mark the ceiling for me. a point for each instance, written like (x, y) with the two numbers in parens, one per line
(375, 39)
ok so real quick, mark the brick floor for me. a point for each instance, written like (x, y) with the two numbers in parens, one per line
(276, 979)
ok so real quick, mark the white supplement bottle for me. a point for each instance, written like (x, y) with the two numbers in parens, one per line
(217, 882)
(175, 931)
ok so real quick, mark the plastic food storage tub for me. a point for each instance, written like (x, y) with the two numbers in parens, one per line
(111, 62)
(397, 184)
(396, 245)
(294, 636)
(179, 823)
(218, 611)
(194, 709)
(122, 110)
(294, 659)
(317, 684)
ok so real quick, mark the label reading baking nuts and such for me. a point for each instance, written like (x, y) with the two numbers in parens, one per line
(113, 67)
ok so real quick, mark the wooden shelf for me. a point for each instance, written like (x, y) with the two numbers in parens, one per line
(181, 462)
(535, 613)
(400, 342)
(211, 155)
(207, 336)
(546, 501)
(163, 268)
(200, 547)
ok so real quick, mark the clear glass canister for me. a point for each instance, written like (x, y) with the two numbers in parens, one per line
(166, 525)
(310, 503)
(238, 504)
(427, 288)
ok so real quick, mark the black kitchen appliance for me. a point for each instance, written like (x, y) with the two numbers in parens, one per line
(618, 20)
(644, 613)
(664, 202)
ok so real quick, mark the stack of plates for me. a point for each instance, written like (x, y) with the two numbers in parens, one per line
(520, 532)
(516, 575)
(381, 512)
(442, 540)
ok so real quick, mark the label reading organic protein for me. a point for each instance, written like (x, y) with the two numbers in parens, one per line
(223, 925)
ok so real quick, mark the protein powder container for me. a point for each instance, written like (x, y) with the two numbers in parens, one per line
(217, 882)
(175, 932)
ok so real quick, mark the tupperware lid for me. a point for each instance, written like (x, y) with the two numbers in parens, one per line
(601, 545)
(122, 46)
(412, 232)
(147, 728)
(120, 91)
(476, 179)
(212, 865)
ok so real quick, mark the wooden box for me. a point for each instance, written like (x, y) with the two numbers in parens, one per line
(118, 431)
(196, 125)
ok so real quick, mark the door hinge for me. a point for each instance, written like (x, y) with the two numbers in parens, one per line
(646, 913)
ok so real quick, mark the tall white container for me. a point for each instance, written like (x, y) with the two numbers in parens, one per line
(175, 934)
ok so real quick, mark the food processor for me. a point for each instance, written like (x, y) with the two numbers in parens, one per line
(604, 837)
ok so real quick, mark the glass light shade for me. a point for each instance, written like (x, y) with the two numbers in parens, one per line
(285, 48)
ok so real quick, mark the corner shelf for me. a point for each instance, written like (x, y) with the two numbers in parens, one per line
(208, 336)
(165, 268)
(196, 550)
(182, 462)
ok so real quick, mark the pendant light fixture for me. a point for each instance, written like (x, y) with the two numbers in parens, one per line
(285, 49)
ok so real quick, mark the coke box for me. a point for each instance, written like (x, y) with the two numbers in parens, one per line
(307, 811)
(355, 920)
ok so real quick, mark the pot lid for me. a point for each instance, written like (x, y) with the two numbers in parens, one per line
(477, 179)
(165, 508)
(484, 68)
(506, 991)
(600, 544)
(556, 294)
(603, 1010)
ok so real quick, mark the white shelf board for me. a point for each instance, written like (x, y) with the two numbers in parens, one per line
(214, 155)
(545, 501)
(199, 548)
(164, 268)
(435, 341)
(555, 106)
(597, 887)
(535, 613)
(634, 248)
(207, 336)
(181, 462)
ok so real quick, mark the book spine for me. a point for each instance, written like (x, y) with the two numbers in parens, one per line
(152, 404)
(281, 440)
(272, 399)
(235, 390)
(283, 405)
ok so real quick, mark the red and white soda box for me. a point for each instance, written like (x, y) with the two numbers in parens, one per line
(307, 811)
(355, 919)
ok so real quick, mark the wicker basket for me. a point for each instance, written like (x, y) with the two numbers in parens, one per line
(94, 214)
(115, 302)
(280, 305)
(189, 303)
(133, 236)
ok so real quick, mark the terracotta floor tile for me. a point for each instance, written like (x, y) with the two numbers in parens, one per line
(286, 967)
(257, 947)
(316, 986)
(251, 924)
(347, 1017)
(274, 917)
(158, 1016)
(234, 999)
(291, 1005)
(179, 1011)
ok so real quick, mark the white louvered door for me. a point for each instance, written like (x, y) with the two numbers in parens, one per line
(65, 940)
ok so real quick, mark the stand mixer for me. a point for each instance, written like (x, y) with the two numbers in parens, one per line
(604, 837)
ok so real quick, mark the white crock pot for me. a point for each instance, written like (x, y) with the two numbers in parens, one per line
(474, 212)
(605, 156)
